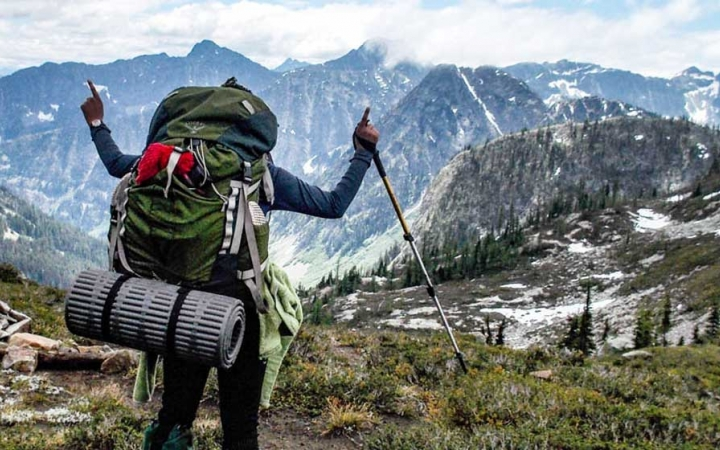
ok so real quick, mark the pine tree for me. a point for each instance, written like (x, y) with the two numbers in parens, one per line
(570, 341)
(643, 329)
(500, 336)
(666, 322)
(696, 337)
(607, 329)
(586, 339)
(713, 326)
(486, 330)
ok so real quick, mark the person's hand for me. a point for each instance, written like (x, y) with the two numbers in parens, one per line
(92, 107)
(365, 135)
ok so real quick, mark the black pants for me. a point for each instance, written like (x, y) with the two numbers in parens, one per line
(240, 388)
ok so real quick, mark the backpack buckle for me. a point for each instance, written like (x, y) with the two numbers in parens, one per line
(247, 173)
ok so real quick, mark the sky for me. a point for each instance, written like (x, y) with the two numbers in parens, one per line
(651, 37)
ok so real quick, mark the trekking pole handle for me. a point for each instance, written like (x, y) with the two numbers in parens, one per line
(379, 164)
(393, 199)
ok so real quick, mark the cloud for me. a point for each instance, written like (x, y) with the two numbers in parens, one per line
(652, 37)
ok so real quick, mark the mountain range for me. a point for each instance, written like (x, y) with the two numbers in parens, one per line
(42, 248)
(426, 116)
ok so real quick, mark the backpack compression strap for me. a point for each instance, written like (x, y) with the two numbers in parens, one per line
(242, 225)
(118, 203)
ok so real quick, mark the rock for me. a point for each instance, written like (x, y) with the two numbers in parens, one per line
(11, 321)
(542, 374)
(637, 354)
(33, 340)
(21, 359)
(119, 361)
(83, 349)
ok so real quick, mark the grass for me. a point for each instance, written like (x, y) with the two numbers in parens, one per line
(41, 303)
(668, 401)
(375, 380)
(343, 418)
(606, 403)
(690, 267)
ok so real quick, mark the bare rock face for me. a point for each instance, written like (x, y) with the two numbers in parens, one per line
(542, 374)
(34, 341)
(637, 354)
(21, 359)
(120, 361)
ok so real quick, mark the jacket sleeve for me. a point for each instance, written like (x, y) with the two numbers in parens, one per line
(116, 162)
(293, 194)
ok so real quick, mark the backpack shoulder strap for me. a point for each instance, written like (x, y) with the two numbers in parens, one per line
(117, 206)
(239, 225)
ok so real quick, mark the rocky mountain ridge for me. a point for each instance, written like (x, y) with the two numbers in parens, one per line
(692, 93)
(635, 245)
(42, 248)
(426, 115)
(630, 156)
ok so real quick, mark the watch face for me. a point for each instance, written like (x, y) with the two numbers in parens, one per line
(96, 122)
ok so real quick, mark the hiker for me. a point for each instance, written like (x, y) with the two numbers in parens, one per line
(239, 386)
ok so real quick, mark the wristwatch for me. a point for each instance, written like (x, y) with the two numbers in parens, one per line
(96, 123)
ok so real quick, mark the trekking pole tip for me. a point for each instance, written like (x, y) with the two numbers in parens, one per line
(461, 359)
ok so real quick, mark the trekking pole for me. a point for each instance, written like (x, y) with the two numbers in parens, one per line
(411, 240)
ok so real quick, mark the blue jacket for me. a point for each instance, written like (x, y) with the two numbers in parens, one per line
(291, 193)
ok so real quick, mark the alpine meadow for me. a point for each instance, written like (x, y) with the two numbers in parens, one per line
(518, 256)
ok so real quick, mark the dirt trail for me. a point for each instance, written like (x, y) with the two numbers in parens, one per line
(279, 429)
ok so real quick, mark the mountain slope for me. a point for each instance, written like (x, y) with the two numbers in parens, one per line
(46, 152)
(318, 106)
(43, 249)
(634, 156)
(451, 108)
(627, 208)
(692, 93)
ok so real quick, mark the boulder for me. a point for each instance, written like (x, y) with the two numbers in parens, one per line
(635, 354)
(542, 374)
(94, 349)
(119, 361)
(21, 359)
(12, 321)
(34, 341)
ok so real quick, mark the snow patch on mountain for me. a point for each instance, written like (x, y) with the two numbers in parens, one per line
(646, 220)
(567, 90)
(308, 167)
(11, 235)
(678, 197)
(45, 117)
(547, 315)
(489, 115)
(699, 103)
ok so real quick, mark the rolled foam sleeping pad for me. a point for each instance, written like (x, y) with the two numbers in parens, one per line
(156, 317)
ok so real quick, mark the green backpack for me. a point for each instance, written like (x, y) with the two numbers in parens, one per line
(209, 233)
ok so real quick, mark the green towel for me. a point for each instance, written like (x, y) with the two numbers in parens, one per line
(145, 378)
(277, 330)
(278, 327)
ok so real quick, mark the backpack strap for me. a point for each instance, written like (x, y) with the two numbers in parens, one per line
(239, 224)
(118, 204)
(170, 168)
(268, 188)
(254, 284)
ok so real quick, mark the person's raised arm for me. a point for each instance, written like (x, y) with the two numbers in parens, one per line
(293, 194)
(116, 162)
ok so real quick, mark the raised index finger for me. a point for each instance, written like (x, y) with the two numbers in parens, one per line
(93, 90)
(365, 116)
